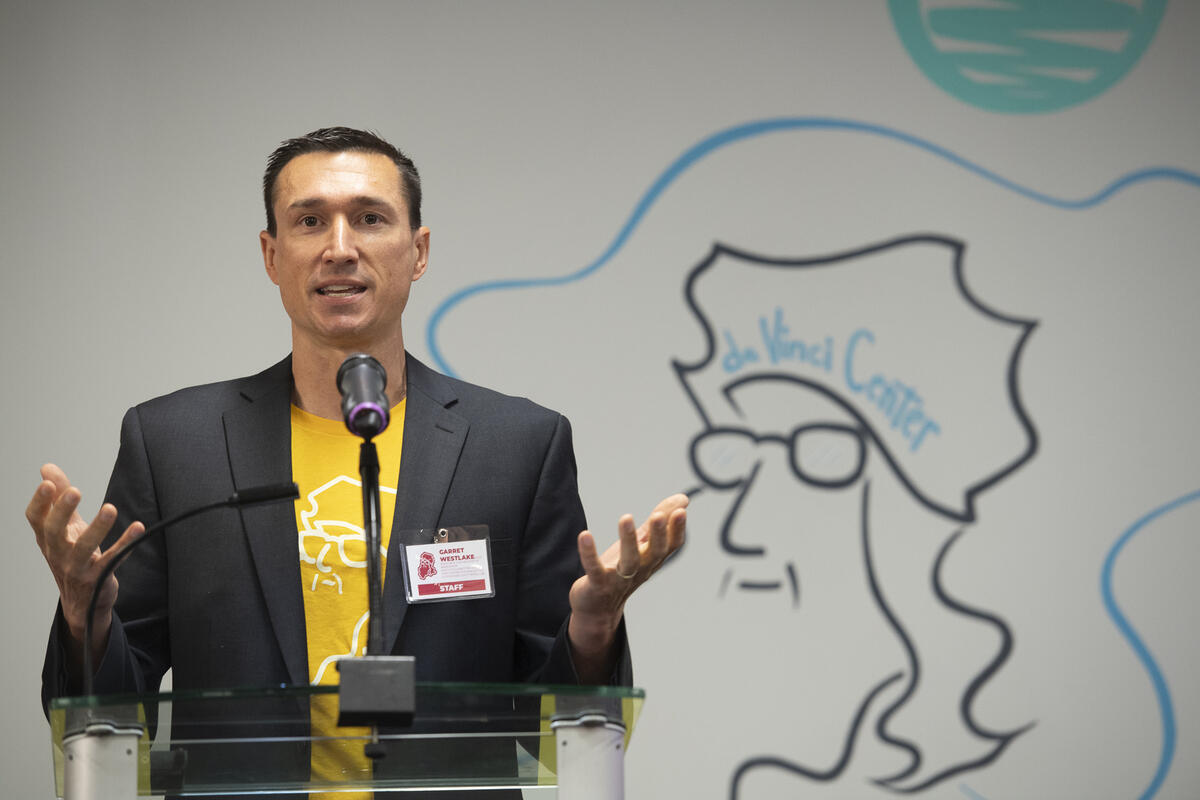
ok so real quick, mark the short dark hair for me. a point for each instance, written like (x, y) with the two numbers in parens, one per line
(339, 140)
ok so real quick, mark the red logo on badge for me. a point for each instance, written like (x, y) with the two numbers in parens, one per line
(425, 567)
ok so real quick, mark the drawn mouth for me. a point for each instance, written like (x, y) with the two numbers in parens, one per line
(791, 583)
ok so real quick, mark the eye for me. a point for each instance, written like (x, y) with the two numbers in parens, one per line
(723, 457)
(828, 455)
(372, 219)
(309, 221)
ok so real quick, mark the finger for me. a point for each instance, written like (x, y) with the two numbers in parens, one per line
(54, 474)
(649, 526)
(668, 505)
(658, 537)
(54, 527)
(676, 530)
(133, 532)
(588, 556)
(630, 558)
(89, 541)
(39, 506)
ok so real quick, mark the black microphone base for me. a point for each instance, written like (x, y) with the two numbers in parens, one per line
(377, 690)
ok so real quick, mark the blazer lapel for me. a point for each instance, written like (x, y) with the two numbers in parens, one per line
(433, 440)
(258, 438)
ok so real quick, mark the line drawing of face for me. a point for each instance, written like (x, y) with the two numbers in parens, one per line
(822, 452)
(817, 457)
(332, 546)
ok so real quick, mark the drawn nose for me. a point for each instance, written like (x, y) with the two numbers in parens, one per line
(736, 524)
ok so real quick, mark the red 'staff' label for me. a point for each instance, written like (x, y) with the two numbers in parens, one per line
(451, 588)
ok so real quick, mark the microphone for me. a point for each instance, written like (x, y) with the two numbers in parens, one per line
(361, 381)
(245, 497)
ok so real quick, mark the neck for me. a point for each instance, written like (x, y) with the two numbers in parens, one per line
(314, 373)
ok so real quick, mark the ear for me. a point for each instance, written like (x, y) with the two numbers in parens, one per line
(421, 242)
(268, 250)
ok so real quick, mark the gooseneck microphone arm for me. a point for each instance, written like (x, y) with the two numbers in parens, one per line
(376, 688)
(362, 382)
(368, 470)
(246, 497)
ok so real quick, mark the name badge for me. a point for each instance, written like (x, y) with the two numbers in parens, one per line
(447, 564)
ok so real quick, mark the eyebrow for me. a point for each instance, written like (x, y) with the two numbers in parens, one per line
(360, 200)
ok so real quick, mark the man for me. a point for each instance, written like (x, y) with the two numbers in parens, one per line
(227, 600)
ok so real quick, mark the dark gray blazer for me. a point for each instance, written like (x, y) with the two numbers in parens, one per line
(218, 598)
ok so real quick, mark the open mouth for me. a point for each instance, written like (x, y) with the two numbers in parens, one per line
(340, 290)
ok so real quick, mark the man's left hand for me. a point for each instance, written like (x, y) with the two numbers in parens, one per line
(598, 598)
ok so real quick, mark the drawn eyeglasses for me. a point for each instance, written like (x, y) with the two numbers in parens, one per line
(827, 455)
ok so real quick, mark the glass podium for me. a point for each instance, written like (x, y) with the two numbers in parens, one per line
(259, 742)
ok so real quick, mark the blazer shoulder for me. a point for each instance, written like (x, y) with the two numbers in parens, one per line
(216, 397)
(476, 402)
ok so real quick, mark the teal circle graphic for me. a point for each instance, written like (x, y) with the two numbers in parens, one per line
(1026, 56)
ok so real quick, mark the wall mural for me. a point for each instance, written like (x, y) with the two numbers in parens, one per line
(841, 442)
(870, 399)
(842, 439)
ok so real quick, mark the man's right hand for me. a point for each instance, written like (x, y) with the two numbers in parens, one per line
(71, 546)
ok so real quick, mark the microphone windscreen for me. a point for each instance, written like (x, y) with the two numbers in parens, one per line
(265, 494)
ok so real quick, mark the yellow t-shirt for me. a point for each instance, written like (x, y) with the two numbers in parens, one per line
(333, 567)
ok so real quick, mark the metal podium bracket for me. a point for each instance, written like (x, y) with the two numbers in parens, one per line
(590, 750)
(101, 761)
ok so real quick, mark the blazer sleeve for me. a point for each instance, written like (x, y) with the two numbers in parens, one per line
(549, 565)
(138, 650)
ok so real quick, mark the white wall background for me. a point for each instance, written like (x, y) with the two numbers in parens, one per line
(134, 135)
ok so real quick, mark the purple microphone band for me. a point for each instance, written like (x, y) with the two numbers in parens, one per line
(366, 407)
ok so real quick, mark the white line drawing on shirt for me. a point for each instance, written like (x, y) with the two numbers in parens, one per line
(319, 538)
(354, 648)
(326, 543)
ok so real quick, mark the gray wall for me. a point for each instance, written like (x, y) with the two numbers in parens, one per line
(955, 592)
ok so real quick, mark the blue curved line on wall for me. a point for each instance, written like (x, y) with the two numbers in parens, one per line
(1156, 677)
(750, 130)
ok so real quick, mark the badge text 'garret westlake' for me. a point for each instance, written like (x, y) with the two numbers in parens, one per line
(455, 554)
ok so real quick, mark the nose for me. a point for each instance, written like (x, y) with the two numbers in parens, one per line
(341, 246)
(729, 524)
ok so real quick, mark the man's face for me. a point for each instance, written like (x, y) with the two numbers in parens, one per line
(344, 256)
